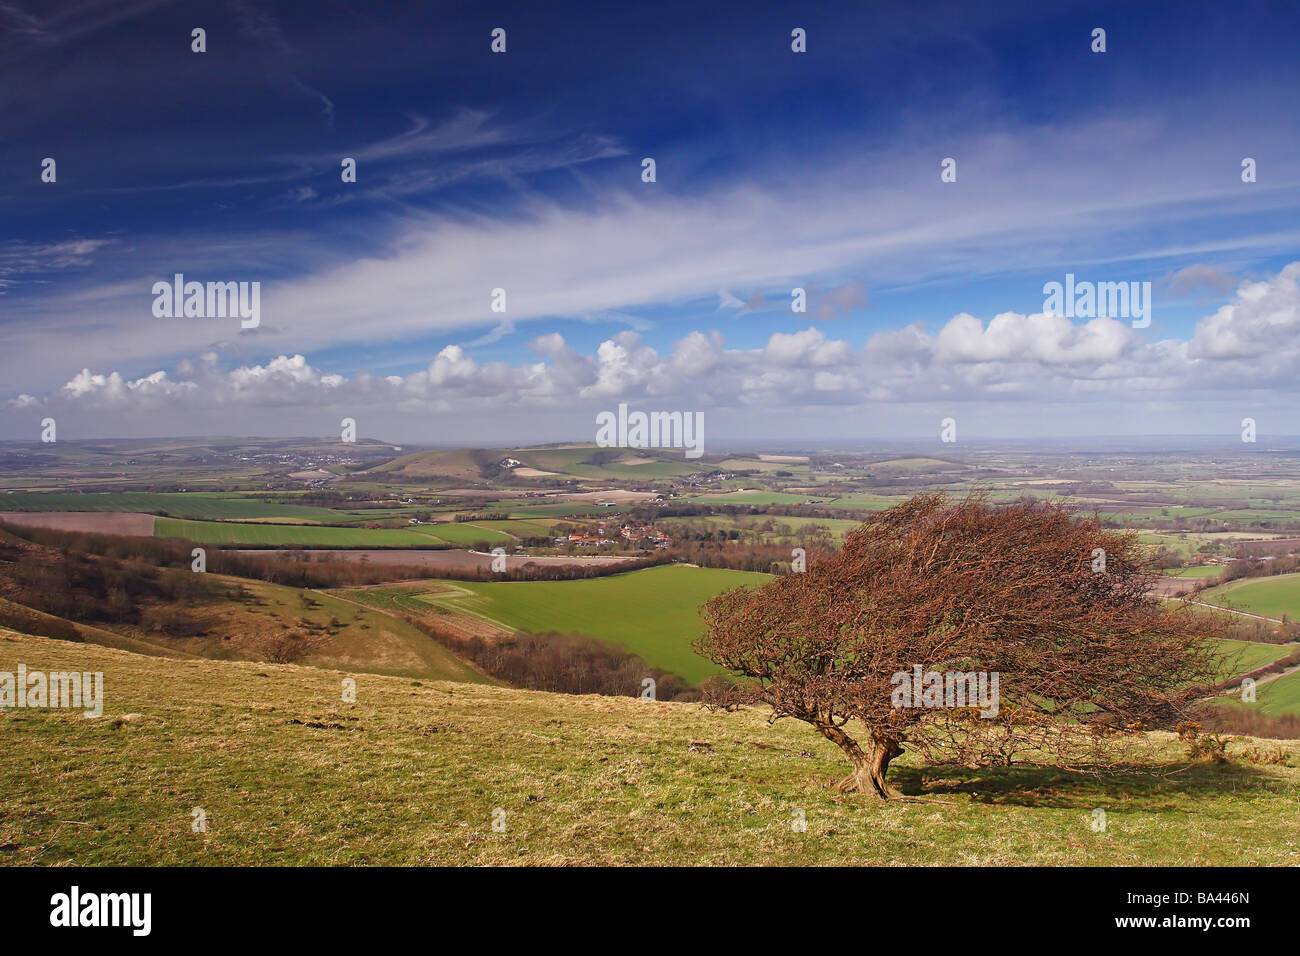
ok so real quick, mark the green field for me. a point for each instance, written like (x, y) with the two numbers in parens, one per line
(653, 613)
(915, 464)
(188, 505)
(1242, 657)
(412, 772)
(573, 461)
(1187, 543)
(521, 527)
(1263, 517)
(1271, 597)
(462, 533)
(752, 497)
(1281, 696)
(290, 536)
(863, 503)
(526, 508)
(1204, 571)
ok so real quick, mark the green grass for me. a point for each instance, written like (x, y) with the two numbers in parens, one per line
(1271, 597)
(654, 613)
(1187, 543)
(914, 464)
(1281, 696)
(1204, 571)
(526, 508)
(290, 536)
(1242, 657)
(462, 533)
(863, 502)
(572, 461)
(753, 497)
(1260, 516)
(412, 772)
(521, 527)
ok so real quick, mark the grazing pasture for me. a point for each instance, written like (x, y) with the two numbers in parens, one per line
(1242, 657)
(654, 613)
(411, 772)
(753, 497)
(1204, 571)
(462, 533)
(1272, 597)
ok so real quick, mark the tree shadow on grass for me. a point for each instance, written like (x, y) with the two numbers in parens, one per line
(1032, 786)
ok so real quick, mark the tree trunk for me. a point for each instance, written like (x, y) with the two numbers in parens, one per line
(869, 766)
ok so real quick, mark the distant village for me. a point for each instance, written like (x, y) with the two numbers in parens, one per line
(641, 536)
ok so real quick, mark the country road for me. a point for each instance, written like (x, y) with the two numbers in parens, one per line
(1230, 610)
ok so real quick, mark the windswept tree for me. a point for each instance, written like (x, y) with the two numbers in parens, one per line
(1047, 604)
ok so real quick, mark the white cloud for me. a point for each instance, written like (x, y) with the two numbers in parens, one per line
(1049, 339)
(1254, 342)
(1263, 318)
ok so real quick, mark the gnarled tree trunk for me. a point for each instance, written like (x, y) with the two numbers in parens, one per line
(869, 765)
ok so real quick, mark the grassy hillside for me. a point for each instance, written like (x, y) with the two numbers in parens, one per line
(459, 464)
(28, 620)
(1242, 657)
(591, 461)
(654, 613)
(1281, 696)
(413, 771)
(1271, 597)
(347, 635)
(243, 625)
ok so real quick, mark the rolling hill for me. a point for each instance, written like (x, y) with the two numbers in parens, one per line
(415, 772)
(1273, 597)
(549, 461)
(653, 613)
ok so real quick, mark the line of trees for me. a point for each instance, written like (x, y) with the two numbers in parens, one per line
(105, 589)
(311, 569)
(561, 663)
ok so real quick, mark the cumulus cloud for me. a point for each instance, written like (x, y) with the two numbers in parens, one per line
(807, 348)
(1264, 317)
(1254, 341)
(1043, 338)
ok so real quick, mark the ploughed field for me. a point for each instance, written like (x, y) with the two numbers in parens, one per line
(181, 505)
(95, 522)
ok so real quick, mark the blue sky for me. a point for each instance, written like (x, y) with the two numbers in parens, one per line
(522, 171)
